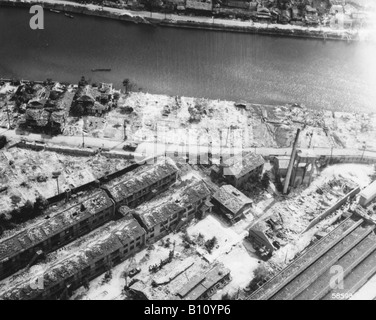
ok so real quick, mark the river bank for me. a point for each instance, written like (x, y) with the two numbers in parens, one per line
(196, 22)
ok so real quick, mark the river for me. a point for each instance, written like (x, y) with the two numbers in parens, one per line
(219, 65)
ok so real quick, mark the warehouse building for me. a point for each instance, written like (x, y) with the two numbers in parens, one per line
(54, 231)
(145, 184)
(88, 257)
(174, 208)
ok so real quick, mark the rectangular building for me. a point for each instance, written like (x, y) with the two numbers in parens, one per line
(240, 169)
(232, 203)
(174, 208)
(54, 231)
(86, 259)
(367, 194)
(145, 184)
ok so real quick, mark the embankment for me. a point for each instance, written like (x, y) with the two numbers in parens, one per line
(196, 22)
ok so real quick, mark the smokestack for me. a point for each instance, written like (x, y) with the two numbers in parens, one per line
(291, 163)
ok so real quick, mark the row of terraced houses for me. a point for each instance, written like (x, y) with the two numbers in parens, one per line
(100, 231)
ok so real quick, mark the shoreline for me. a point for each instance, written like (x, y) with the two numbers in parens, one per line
(196, 22)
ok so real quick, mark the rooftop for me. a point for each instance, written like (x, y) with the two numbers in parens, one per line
(167, 204)
(231, 198)
(369, 191)
(146, 177)
(46, 228)
(76, 256)
(199, 284)
(240, 165)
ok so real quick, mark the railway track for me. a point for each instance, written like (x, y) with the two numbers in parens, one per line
(275, 284)
(351, 245)
(355, 279)
(348, 262)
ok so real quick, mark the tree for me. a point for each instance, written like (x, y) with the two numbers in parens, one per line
(265, 180)
(82, 82)
(77, 110)
(41, 203)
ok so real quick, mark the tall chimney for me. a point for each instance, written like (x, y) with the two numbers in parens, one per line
(291, 163)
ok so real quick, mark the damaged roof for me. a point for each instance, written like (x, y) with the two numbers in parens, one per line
(162, 208)
(240, 165)
(81, 254)
(231, 198)
(147, 177)
(42, 230)
(202, 282)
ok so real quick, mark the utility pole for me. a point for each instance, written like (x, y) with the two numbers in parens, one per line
(83, 137)
(55, 175)
(6, 104)
(125, 130)
(291, 163)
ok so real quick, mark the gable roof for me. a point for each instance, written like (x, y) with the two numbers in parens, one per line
(231, 198)
(240, 165)
(33, 235)
(150, 175)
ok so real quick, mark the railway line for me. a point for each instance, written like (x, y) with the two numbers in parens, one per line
(351, 245)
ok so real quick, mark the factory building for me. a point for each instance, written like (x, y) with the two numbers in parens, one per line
(145, 184)
(174, 208)
(88, 257)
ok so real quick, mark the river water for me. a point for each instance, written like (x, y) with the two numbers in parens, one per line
(219, 65)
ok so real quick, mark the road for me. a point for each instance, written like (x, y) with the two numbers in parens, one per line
(149, 149)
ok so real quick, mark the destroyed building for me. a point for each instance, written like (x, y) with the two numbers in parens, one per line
(240, 169)
(88, 257)
(232, 203)
(54, 231)
(48, 110)
(94, 101)
(172, 210)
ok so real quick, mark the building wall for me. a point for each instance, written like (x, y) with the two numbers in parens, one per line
(97, 266)
(56, 241)
(161, 229)
(241, 181)
(145, 194)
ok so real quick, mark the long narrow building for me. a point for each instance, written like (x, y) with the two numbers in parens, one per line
(172, 209)
(80, 262)
(105, 247)
(145, 184)
(54, 230)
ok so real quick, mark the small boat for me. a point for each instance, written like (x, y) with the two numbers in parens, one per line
(68, 15)
(56, 11)
(95, 70)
